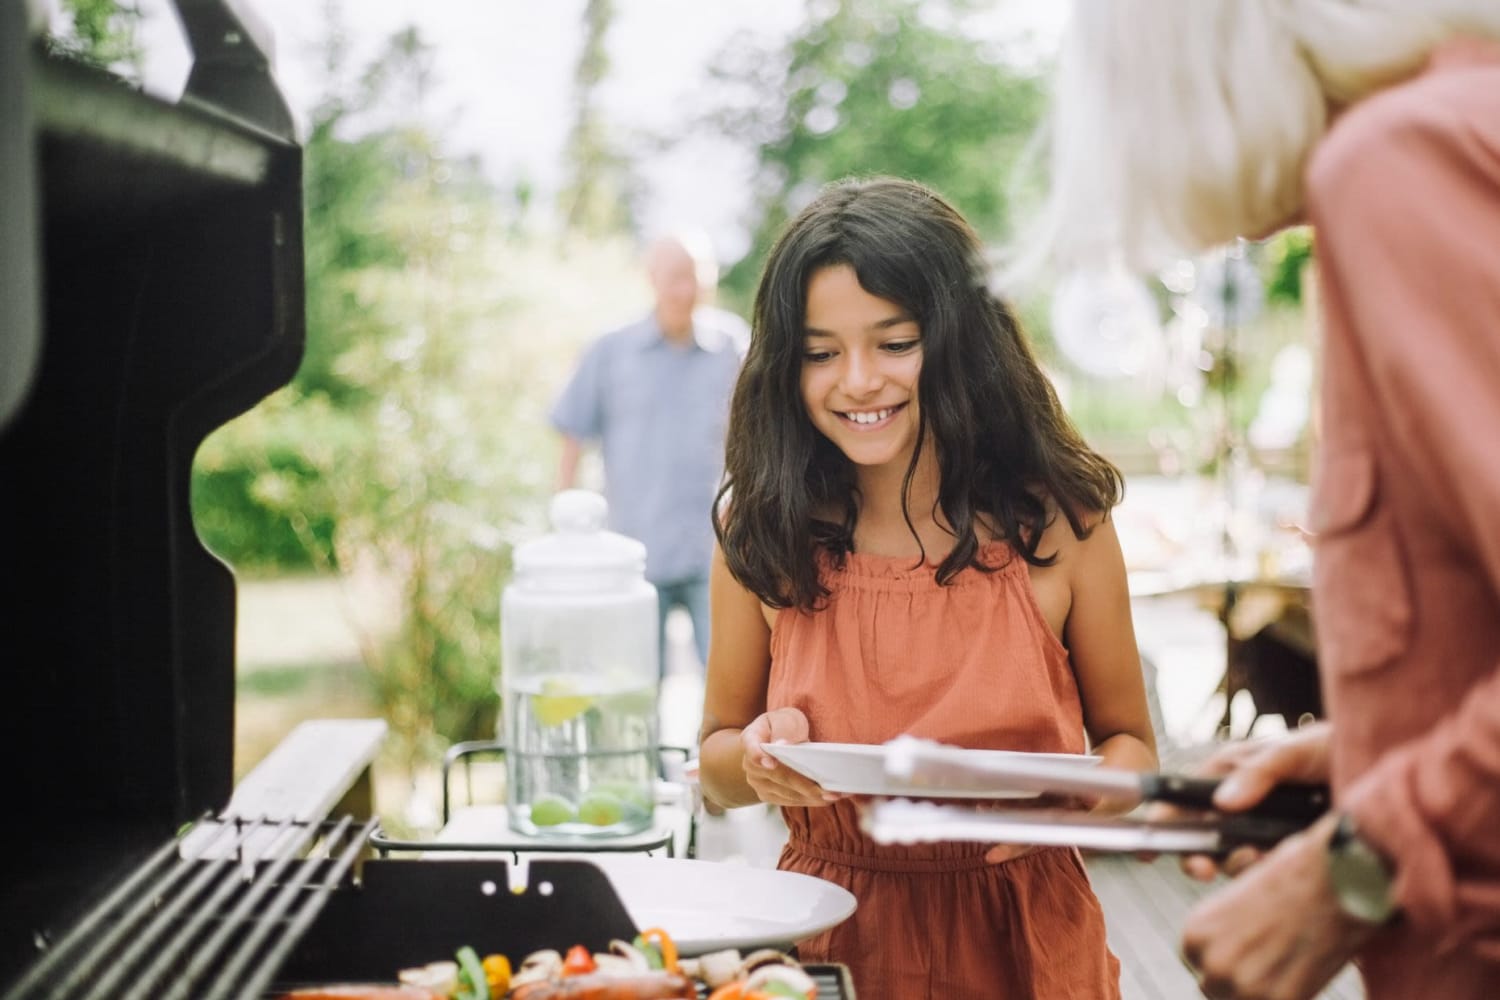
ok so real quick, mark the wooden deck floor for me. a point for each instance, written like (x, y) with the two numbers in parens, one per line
(1144, 906)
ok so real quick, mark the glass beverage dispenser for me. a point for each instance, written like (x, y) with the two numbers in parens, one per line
(579, 648)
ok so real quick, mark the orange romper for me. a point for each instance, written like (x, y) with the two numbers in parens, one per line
(972, 663)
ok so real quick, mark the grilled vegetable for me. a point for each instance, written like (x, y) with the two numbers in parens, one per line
(497, 974)
(578, 961)
(538, 967)
(473, 984)
(439, 977)
(782, 981)
(715, 968)
(362, 991)
(629, 954)
(659, 939)
(598, 986)
(737, 991)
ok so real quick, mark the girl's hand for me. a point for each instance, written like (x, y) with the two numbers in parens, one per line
(1001, 853)
(770, 779)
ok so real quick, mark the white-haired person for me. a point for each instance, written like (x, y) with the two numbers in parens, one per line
(1181, 124)
(653, 395)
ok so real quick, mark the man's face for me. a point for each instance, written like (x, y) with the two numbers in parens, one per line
(674, 280)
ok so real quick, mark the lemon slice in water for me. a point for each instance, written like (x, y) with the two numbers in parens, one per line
(559, 702)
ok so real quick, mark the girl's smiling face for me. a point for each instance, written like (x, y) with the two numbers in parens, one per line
(861, 358)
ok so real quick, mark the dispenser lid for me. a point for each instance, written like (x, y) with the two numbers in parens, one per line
(579, 542)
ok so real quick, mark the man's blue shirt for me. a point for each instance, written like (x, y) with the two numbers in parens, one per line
(659, 411)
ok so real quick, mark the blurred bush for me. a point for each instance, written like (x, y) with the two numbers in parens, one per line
(412, 448)
(244, 483)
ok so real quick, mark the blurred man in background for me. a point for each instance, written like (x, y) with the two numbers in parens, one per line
(654, 395)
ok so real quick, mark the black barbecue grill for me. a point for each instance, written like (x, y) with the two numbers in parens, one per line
(152, 262)
(151, 289)
(223, 921)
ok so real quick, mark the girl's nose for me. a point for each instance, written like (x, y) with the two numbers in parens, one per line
(861, 375)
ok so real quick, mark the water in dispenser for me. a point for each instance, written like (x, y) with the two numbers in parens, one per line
(579, 676)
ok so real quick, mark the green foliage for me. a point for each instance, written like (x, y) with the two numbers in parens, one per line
(1163, 426)
(596, 200)
(384, 459)
(247, 485)
(344, 184)
(1287, 256)
(410, 450)
(898, 87)
(102, 34)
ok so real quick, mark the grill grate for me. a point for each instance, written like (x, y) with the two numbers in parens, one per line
(221, 912)
(833, 982)
(210, 916)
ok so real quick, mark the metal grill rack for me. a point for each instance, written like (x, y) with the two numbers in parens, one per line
(213, 921)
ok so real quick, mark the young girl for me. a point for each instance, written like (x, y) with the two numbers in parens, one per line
(913, 539)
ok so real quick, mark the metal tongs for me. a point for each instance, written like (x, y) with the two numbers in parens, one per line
(951, 771)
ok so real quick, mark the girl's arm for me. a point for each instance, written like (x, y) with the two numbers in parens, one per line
(732, 769)
(1100, 638)
(739, 668)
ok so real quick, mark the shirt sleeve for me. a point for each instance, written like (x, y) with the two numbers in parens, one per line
(579, 410)
(1408, 222)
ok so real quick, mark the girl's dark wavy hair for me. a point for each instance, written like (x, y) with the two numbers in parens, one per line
(1006, 450)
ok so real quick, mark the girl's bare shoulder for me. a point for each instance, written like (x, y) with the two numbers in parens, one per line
(1062, 538)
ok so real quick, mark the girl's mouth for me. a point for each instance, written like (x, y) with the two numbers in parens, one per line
(866, 420)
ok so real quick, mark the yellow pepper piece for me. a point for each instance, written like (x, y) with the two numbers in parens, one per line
(497, 975)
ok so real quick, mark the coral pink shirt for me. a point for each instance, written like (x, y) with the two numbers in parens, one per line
(1404, 196)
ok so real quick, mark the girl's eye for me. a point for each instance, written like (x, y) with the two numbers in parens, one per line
(815, 357)
(901, 346)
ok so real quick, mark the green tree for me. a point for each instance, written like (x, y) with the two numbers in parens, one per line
(101, 33)
(387, 456)
(1287, 255)
(396, 308)
(345, 181)
(596, 197)
(409, 448)
(902, 87)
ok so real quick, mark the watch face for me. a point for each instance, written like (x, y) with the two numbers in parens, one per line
(1360, 877)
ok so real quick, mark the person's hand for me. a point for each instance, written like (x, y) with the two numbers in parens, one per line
(770, 779)
(1250, 769)
(1277, 931)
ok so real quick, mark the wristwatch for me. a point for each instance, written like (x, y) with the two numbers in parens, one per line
(1361, 877)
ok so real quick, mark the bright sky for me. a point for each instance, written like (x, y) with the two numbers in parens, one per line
(504, 80)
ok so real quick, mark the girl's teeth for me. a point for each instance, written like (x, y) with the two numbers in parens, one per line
(869, 418)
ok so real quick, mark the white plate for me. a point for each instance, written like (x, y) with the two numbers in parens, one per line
(704, 905)
(859, 769)
(709, 905)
